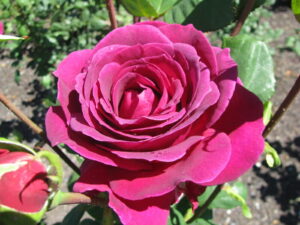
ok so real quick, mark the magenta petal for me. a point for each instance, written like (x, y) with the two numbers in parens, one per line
(189, 35)
(1, 28)
(55, 123)
(163, 155)
(245, 132)
(133, 35)
(147, 211)
(57, 133)
(66, 72)
(194, 167)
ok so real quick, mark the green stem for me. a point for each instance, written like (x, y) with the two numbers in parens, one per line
(199, 211)
(246, 11)
(283, 107)
(107, 216)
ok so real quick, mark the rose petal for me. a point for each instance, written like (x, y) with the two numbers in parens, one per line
(245, 132)
(66, 72)
(57, 132)
(189, 35)
(194, 167)
(147, 211)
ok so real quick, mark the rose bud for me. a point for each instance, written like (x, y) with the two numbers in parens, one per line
(24, 185)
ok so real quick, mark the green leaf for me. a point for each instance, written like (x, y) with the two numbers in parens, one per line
(296, 9)
(206, 15)
(267, 112)
(255, 64)
(96, 212)
(47, 81)
(75, 215)
(272, 157)
(148, 8)
(229, 197)
(176, 218)
(89, 222)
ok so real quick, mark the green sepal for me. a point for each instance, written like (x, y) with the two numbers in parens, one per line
(272, 157)
(9, 215)
(15, 146)
(234, 193)
(267, 112)
(54, 168)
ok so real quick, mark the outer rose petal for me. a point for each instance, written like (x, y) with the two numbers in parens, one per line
(58, 132)
(133, 35)
(140, 185)
(245, 132)
(147, 211)
(66, 72)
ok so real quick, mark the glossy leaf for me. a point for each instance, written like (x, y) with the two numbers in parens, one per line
(255, 64)
(206, 15)
(229, 197)
(75, 215)
(148, 8)
(176, 218)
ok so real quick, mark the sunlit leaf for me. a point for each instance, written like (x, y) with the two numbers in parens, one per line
(255, 64)
(148, 8)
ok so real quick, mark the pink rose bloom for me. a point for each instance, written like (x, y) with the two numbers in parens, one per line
(156, 111)
(23, 182)
(1, 28)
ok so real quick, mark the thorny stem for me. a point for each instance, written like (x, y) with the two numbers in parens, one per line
(238, 26)
(112, 14)
(283, 107)
(199, 212)
(9, 105)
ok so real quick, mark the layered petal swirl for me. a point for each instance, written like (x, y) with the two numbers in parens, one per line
(156, 111)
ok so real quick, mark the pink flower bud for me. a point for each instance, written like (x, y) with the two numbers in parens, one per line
(1, 28)
(23, 182)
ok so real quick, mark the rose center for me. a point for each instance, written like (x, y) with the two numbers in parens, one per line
(137, 102)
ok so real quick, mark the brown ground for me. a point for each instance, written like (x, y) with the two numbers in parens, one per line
(273, 193)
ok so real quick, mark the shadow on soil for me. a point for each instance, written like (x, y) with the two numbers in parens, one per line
(283, 182)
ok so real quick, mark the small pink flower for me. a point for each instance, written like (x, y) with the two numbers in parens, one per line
(23, 185)
(156, 111)
(1, 28)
